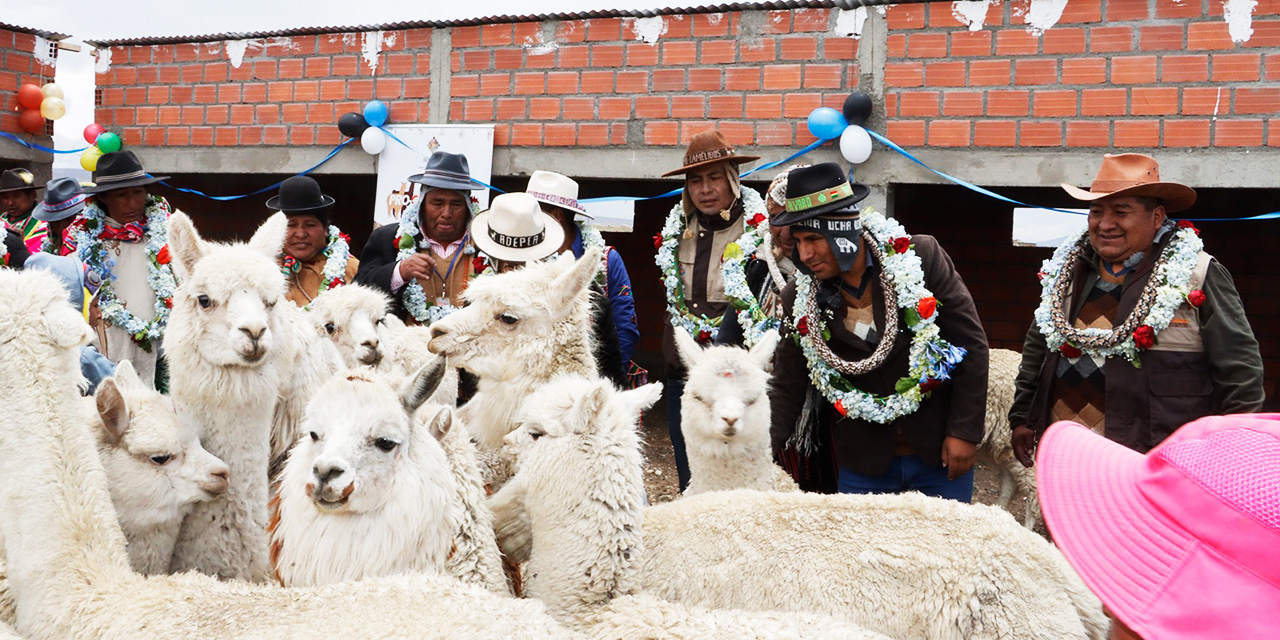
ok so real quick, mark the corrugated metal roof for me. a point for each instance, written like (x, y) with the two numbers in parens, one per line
(577, 15)
(47, 35)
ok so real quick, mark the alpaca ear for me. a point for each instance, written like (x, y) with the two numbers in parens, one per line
(185, 246)
(644, 397)
(689, 350)
(420, 387)
(112, 408)
(762, 352)
(441, 423)
(572, 282)
(126, 376)
(593, 402)
(393, 322)
(269, 238)
(66, 327)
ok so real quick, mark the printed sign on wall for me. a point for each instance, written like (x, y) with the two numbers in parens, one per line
(397, 162)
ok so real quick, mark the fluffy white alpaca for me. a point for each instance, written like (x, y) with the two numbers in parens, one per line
(475, 558)
(367, 491)
(67, 566)
(225, 361)
(574, 510)
(724, 414)
(156, 469)
(307, 360)
(520, 329)
(996, 450)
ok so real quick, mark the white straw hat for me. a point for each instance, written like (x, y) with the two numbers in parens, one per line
(515, 229)
(555, 189)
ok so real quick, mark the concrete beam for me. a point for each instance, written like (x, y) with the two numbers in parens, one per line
(441, 76)
(163, 160)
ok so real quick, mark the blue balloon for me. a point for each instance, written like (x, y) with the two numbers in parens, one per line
(375, 113)
(825, 123)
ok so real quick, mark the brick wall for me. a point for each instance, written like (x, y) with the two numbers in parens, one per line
(18, 66)
(1113, 73)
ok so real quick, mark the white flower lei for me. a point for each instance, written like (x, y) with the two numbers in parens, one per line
(414, 298)
(1167, 290)
(751, 316)
(672, 229)
(92, 251)
(931, 359)
(4, 257)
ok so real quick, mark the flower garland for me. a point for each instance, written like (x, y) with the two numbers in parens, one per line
(702, 328)
(931, 359)
(334, 274)
(751, 316)
(1166, 290)
(4, 233)
(409, 241)
(92, 251)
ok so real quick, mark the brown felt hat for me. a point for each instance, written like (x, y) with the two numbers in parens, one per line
(1134, 174)
(709, 147)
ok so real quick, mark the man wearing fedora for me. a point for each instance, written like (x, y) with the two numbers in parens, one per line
(712, 212)
(558, 197)
(316, 257)
(115, 237)
(17, 201)
(64, 199)
(1139, 331)
(891, 420)
(428, 246)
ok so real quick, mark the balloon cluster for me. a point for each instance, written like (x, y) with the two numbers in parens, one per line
(826, 123)
(38, 104)
(100, 141)
(366, 126)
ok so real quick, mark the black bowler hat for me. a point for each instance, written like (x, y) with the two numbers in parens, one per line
(120, 169)
(446, 171)
(818, 190)
(17, 180)
(301, 195)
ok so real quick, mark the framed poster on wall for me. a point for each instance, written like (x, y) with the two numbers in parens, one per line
(399, 161)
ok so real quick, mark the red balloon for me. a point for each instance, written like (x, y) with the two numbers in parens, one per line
(92, 132)
(31, 121)
(30, 96)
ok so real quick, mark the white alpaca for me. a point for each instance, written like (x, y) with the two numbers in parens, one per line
(67, 566)
(996, 449)
(307, 360)
(574, 510)
(225, 361)
(520, 329)
(156, 469)
(724, 414)
(366, 492)
(475, 558)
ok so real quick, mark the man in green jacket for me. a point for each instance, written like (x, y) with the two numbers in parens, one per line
(1139, 331)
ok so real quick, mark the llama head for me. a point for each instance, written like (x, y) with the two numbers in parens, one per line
(225, 304)
(359, 432)
(154, 462)
(351, 317)
(727, 389)
(575, 408)
(513, 319)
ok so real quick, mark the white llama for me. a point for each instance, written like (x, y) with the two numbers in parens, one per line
(996, 449)
(67, 566)
(224, 348)
(724, 414)
(308, 360)
(366, 491)
(476, 558)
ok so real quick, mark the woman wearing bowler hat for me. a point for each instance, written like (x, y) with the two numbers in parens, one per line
(317, 255)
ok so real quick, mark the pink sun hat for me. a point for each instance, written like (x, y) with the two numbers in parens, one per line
(1183, 542)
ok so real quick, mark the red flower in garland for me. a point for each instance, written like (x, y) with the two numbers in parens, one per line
(478, 264)
(1187, 224)
(1069, 350)
(336, 282)
(1195, 297)
(756, 219)
(162, 256)
(168, 302)
(802, 327)
(901, 245)
(929, 385)
(1041, 276)
(841, 409)
(704, 336)
(927, 306)
(657, 241)
(1145, 337)
(345, 238)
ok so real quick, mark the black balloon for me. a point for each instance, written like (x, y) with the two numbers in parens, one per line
(857, 108)
(352, 124)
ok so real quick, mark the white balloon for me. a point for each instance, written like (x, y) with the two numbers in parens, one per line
(855, 144)
(373, 140)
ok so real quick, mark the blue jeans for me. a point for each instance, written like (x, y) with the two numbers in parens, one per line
(675, 389)
(910, 473)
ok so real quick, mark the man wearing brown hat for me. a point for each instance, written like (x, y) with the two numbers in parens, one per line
(1139, 331)
(712, 212)
(17, 202)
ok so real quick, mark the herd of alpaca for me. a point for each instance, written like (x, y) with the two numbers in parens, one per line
(380, 523)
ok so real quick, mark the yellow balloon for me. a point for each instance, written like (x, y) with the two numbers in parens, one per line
(52, 90)
(53, 108)
(89, 159)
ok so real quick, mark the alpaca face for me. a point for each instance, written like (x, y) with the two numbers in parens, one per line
(726, 396)
(574, 406)
(351, 317)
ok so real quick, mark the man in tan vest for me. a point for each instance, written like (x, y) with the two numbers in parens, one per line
(316, 256)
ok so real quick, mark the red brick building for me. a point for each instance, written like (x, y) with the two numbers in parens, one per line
(19, 65)
(611, 98)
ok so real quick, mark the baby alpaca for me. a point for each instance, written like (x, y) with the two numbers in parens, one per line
(351, 318)
(724, 414)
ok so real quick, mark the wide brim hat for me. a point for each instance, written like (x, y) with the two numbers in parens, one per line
(67, 268)
(300, 195)
(1134, 174)
(709, 147)
(118, 170)
(514, 228)
(63, 198)
(1180, 542)
(557, 190)
(446, 170)
(17, 180)
(821, 189)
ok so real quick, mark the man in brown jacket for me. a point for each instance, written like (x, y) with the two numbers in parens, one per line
(895, 397)
(1105, 350)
